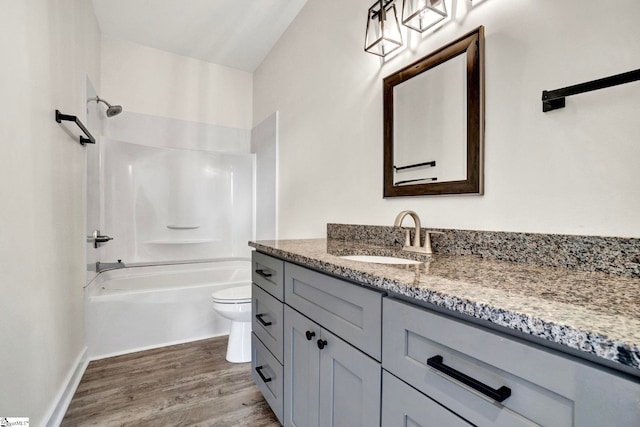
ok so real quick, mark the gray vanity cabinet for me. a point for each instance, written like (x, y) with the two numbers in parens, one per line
(329, 373)
(531, 385)
(318, 344)
(327, 381)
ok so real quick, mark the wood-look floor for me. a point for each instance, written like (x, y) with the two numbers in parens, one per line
(182, 385)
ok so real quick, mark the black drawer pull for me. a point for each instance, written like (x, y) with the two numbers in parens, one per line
(310, 335)
(259, 371)
(499, 395)
(263, 273)
(322, 344)
(261, 320)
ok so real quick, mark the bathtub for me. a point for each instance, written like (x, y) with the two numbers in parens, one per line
(142, 307)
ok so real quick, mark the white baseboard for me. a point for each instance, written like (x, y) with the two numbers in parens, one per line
(63, 399)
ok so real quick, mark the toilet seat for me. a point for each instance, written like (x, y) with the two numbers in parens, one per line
(235, 295)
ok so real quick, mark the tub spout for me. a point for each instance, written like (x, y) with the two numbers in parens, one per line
(102, 266)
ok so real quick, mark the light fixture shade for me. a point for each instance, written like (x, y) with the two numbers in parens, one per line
(383, 29)
(420, 15)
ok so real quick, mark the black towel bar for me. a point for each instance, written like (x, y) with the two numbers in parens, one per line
(407, 181)
(89, 139)
(554, 99)
(432, 163)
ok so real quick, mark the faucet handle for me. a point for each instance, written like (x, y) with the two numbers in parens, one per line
(427, 243)
(427, 239)
(98, 238)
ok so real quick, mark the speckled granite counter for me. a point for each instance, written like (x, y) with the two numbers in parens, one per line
(595, 313)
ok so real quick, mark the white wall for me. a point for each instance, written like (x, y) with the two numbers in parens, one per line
(47, 47)
(158, 83)
(571, 171)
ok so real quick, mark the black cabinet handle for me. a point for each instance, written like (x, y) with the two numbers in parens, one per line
(310, 335)
(436, 362)
(263, 273)
(259, 371)
(322, 343)
(261, 320)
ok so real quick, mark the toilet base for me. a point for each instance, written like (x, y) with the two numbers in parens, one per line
(239, 344)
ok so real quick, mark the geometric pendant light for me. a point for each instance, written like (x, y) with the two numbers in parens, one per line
(383, 30)
(420, 15)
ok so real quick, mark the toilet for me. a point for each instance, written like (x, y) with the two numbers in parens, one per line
(234, 303)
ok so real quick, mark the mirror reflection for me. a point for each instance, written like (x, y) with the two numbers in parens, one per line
(431, 137)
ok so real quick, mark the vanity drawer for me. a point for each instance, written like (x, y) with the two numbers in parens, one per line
(266, 322)
(403, 405)
(548, 387)
(413, 335)
(267, 272)
(348, 310)
(267, 373)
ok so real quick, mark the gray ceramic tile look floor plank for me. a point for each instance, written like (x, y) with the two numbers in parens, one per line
(182, 385)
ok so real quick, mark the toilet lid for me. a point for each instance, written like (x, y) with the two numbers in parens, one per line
(234, 295)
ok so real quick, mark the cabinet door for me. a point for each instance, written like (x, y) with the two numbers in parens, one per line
(349, 385)
(404, 406)
(301, 362)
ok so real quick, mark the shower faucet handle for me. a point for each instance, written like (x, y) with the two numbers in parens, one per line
(98, 238)
(103, 239)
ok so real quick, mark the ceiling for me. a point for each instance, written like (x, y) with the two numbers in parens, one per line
(234, 33)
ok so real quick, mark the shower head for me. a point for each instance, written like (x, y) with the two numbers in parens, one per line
(112, 110)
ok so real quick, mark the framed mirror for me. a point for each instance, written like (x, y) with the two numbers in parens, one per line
(434, 122)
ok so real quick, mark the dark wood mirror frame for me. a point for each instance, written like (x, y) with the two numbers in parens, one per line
(472, 44)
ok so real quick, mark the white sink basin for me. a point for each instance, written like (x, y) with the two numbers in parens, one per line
(380, 259)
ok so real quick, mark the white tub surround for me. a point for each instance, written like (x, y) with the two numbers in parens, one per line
(175, 204)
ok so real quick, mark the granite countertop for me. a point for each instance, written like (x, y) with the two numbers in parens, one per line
(595, 313)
